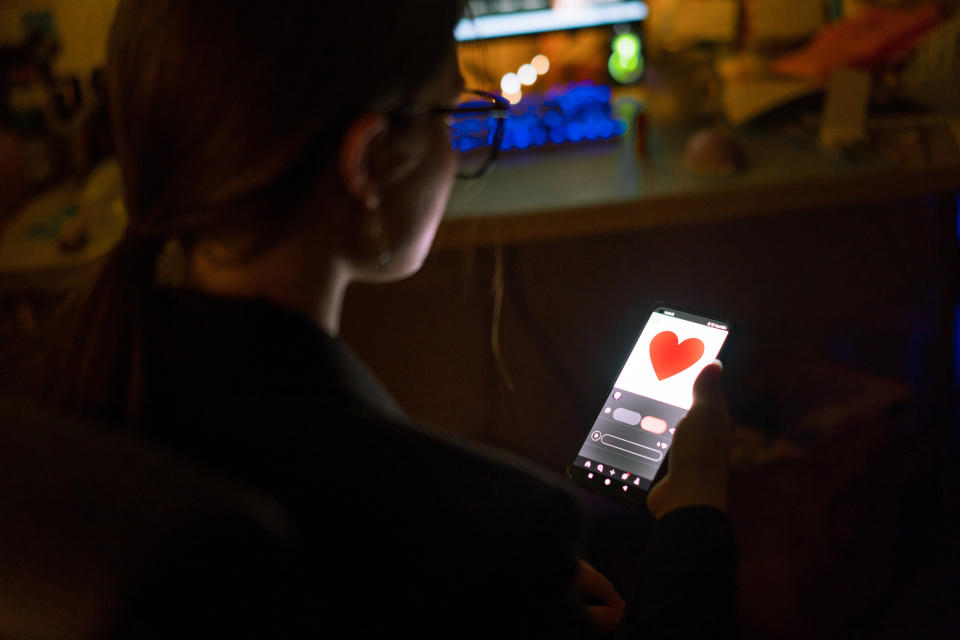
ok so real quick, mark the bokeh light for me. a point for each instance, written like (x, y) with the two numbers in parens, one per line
(514, 97)
(510, 84)
(541, 63)
(626, 63)
(627, 45)
(527, 74)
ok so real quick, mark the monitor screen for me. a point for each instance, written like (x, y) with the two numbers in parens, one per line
(501, 18)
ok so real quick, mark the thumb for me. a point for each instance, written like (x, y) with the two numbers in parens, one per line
(706, 388)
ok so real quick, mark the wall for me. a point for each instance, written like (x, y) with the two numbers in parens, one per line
(82, 25)
(83, 31)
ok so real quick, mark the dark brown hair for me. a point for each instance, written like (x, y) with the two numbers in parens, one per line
(225, 115)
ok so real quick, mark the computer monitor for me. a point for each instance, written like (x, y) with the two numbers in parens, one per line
(502, 18)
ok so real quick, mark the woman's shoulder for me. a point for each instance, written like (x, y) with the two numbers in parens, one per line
(261, 392)
(201, 348)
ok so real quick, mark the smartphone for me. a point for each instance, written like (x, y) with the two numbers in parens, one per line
(628, 442)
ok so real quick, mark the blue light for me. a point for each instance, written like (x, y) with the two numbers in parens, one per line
(468, 144)
(566, 113)
(523, 138)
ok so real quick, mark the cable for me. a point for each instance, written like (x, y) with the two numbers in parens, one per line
(497, 287)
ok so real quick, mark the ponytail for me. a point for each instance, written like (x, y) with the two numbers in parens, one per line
(88, 358)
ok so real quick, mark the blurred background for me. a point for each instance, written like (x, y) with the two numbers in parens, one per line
(792, 166)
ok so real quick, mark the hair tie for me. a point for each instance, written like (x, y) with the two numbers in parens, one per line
(151, 259)
(171, 266)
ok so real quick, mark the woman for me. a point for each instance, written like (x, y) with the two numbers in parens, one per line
(289, 150)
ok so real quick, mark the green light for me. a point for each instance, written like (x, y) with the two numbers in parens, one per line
(626, 63)
(627, 45)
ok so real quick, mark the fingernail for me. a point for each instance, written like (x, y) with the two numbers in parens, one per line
(718, 362)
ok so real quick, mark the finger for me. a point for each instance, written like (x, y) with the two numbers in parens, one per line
(707, 392)
(708, 417)
(707, 385)
(594, 584)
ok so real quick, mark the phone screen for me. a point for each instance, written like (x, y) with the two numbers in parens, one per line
(632, 433)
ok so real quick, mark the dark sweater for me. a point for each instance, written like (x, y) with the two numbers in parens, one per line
(403, 528)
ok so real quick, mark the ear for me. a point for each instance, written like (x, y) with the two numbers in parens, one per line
(355, 151)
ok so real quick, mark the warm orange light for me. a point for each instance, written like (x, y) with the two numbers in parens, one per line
(515, 97)
(541, 63)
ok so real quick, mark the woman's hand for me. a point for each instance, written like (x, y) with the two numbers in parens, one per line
(700, 453)
(603, 604)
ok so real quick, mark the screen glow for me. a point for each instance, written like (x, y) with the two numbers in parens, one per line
(664, 362)
(525, 22)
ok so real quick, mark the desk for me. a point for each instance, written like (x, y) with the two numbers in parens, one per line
(604, 188)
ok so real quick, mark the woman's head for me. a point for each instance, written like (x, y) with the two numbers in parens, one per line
(288, 145)
(256, 121)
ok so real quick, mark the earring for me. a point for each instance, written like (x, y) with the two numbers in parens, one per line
(384, 258)
(375, 230)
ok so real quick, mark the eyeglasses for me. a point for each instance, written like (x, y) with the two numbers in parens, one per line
(476, 130)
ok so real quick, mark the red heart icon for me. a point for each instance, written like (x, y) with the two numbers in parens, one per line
(669, 356)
